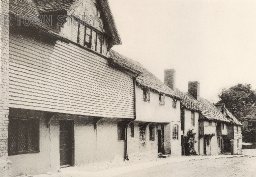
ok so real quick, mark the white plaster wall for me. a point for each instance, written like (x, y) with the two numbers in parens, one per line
(48, 157)
(154, 112)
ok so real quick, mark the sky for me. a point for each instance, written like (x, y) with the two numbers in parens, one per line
(210, 41)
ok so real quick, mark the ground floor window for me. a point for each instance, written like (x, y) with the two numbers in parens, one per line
(152, 133)
(23, 136)
(142, 132)
(121, 131)
(175, 132)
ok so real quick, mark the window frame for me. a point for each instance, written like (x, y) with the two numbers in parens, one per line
(193, 118)
(152, 132)
(162, 99)
(175, 132)
(31, 134)
(146, 95)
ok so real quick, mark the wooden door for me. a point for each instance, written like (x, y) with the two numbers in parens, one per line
(66, 143)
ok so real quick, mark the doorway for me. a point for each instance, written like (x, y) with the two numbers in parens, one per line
(66, 143)
(160, 141)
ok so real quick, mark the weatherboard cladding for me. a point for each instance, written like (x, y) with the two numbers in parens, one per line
(65, 78)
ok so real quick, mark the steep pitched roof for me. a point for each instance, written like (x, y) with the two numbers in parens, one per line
(210, 111)
(58, 5)
(145, 78)
(188, 101)
(229, 115)
(251, 114)
(25, 9)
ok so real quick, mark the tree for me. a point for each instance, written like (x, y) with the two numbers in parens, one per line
(238, 99)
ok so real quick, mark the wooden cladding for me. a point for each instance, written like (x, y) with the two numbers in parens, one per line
(65, 78)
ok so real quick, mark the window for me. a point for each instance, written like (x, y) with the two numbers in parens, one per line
(88, 37)
(152, 132)
(23, 136)
(223, 126)
(174, 103)
(132, 129)
(193, 118)
(161, 99)
(121, 131)
(146, 95)
(143, 132)
(175, 132)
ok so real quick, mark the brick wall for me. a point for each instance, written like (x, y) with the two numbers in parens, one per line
(4, 35)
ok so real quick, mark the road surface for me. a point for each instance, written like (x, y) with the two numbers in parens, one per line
(224, 167)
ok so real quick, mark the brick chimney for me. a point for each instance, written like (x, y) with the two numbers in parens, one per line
(194, 89)
(169, 78)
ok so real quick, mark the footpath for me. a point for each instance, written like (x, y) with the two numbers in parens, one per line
(111, 170)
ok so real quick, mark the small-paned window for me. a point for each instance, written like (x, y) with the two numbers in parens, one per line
(94, 41)
(142, 130)
(121, 131)
(152, 132)
(161, 99)
(23, 136)
(193, 118)
(81, 34)
(132, 129)
(146, 95)
(88, 37)
(99, 43)
(175, 132)
(174, 103)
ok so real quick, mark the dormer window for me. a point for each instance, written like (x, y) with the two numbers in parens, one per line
(146, 95)
(161, 99)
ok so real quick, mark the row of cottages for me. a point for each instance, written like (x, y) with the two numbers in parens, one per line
(207, 129)
(68, 99)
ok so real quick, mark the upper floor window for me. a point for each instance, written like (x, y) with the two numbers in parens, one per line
(223, 126)
(23, 136)
(193, 121)
(146, 95)
(175, 132)
(161, 99)
(88, 36)
(174, 103)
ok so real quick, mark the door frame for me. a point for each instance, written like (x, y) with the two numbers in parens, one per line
(72, 162)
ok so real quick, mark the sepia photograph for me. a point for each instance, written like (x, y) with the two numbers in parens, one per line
(128, 88)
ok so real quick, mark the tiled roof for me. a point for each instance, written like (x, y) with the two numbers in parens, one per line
(228, 114)
(188, 101)
(58, 5)
(145, 78)
(25, 9)
(210, 111)
(251, 113)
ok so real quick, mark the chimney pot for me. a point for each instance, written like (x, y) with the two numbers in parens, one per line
(169, 78)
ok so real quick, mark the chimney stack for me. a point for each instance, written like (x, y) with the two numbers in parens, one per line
(169, 78)
(194, 89)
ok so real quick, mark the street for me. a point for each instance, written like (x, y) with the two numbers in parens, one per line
(224, 167)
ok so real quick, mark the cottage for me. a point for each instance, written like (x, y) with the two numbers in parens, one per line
(232, 142)
(66, 104)
(249, 126)
(156, 128)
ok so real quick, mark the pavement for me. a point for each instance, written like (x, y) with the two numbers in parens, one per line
(131, 168)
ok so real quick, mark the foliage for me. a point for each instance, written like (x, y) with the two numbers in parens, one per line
(190, 143)
(238, 99)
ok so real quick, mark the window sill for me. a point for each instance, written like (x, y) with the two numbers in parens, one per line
(24, 153)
